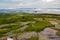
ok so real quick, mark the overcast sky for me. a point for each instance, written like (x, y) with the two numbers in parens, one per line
(29, 4)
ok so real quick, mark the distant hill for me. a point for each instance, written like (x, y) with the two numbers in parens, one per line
(33, 10)
(6, 14)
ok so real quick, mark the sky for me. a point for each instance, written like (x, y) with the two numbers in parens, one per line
(11, 4)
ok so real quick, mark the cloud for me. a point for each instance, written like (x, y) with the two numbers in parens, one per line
(41, 4)
(30, 3)
(17, 0)
(10, 6)
(56, 2)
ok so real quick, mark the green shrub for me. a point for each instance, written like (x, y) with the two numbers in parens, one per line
(33, 38)
(58, 33)
(38, 26)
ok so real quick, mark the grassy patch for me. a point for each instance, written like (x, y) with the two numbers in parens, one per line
(33, 38)
(9, 29)
(17, 31)
(38, 26)
(58, 33)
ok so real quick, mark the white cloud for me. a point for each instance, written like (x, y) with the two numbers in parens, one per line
(14, 0)
(17, 0)
(52, 1)
(10, 6)
(31, 3)
(56, 2)
(40, 3)
(27, 4)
